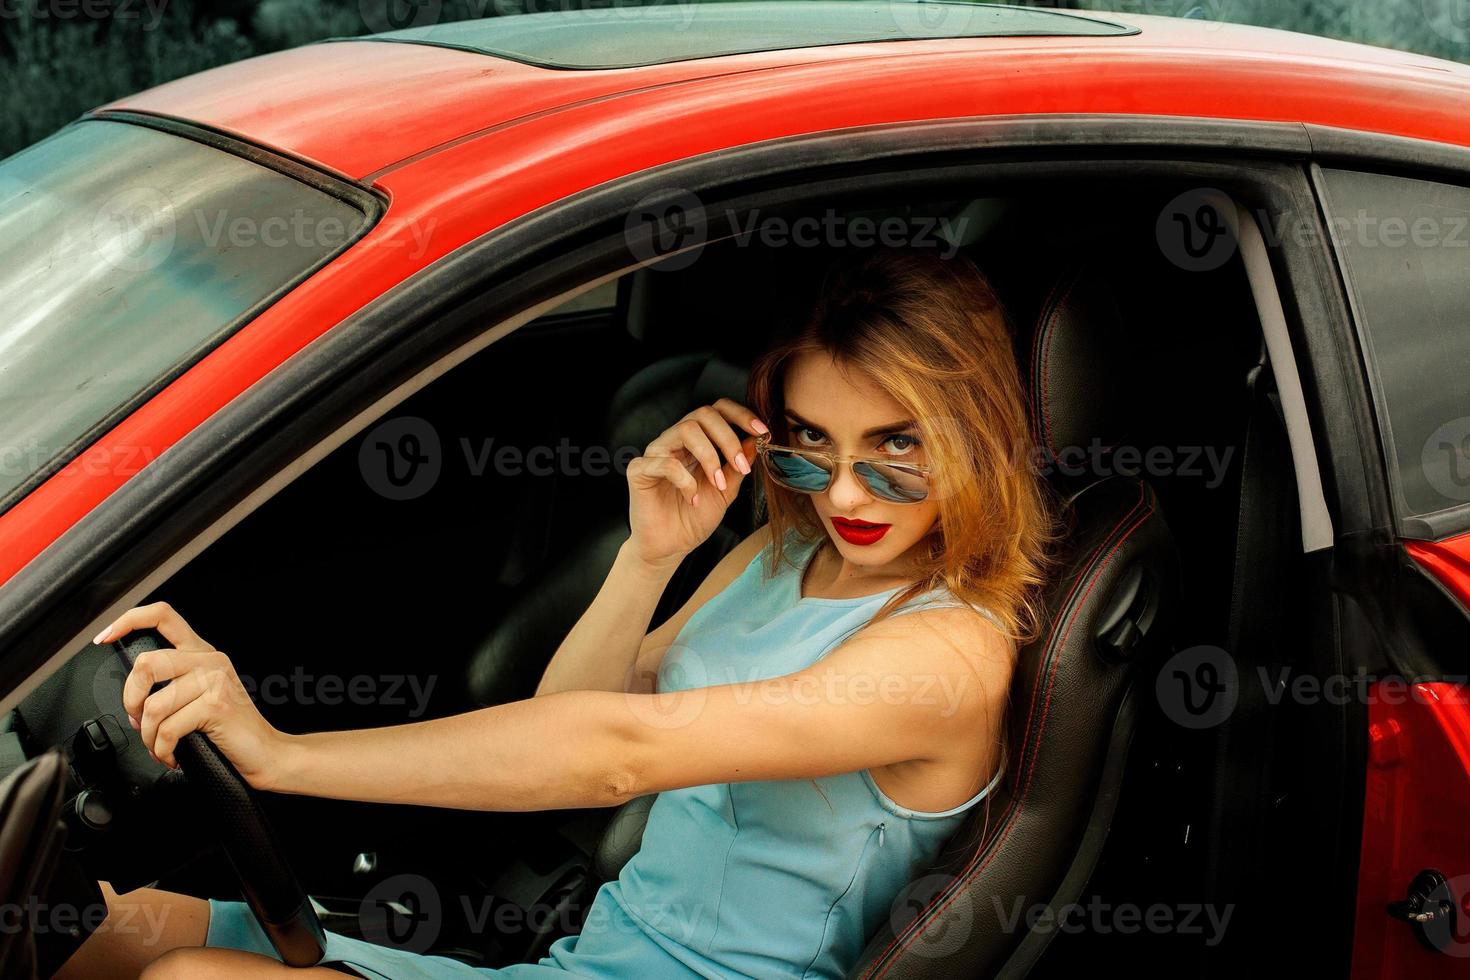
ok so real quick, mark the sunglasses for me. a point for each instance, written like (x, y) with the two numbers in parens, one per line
(811, 471)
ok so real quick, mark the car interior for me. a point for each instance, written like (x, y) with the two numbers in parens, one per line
(369, 603)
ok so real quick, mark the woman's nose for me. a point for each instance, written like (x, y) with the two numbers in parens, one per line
(847, 491)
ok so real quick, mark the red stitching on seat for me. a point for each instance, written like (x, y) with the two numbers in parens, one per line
(970, 870)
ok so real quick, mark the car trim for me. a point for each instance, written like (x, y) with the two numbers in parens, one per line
(1316, 520)
(339, 185)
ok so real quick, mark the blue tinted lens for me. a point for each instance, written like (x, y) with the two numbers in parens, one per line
(892, 482)
(797, 472)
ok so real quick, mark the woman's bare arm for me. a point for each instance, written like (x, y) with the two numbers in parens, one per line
(678, 491)
(608, 649)
(923, 686)
(598, 653)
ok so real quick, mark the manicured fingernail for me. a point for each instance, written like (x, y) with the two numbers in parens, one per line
(694, 500)
(103, 635)
(134, 722)
(760, 427)
(720, 479)
(741, 464)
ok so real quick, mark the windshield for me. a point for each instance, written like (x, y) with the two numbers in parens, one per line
(126, 254)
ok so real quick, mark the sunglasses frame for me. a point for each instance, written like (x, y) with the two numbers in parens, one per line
(763, 444)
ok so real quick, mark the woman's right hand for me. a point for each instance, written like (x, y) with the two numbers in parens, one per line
(201, 692)
(679, 488)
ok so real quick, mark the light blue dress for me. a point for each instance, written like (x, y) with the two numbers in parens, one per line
(780, 878)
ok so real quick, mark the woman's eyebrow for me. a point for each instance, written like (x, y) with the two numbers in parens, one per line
(798, 420)
(889, 429)
(892, 428)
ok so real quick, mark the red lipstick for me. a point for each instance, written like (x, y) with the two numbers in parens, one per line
(859, 532)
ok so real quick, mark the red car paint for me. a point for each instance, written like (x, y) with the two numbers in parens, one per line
(1448, 561)
(1416, 796)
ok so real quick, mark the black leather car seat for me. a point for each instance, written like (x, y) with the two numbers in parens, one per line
(1107, 613)
(1073, 704)
(508, 662)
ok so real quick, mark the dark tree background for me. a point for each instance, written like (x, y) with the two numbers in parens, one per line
(59, 58)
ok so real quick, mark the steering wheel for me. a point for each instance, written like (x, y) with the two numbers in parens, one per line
(270, 886)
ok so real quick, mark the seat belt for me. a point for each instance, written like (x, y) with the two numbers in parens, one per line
(1267, 539)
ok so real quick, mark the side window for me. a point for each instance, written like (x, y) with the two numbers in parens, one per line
(1405, 244)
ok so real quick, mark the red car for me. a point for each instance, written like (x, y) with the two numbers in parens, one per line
(338, 351)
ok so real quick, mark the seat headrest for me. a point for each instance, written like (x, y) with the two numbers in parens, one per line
(732, 297)
(1085, 375)
(664, 391)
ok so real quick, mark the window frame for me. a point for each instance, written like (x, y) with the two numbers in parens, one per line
(1441, 169)
(421, 328)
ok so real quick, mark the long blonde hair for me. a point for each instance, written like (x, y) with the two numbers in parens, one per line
(934, 335)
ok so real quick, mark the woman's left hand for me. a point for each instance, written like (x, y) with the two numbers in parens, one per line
(203, 693)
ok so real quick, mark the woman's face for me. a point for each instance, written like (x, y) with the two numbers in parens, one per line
(839, 409)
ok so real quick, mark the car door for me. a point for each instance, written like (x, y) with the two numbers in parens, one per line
(1402, 240)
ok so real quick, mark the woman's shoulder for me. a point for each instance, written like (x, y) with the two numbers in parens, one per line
(954, 621)
(943, 597)
(949, 640)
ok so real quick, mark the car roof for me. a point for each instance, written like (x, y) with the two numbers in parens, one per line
(361, 107)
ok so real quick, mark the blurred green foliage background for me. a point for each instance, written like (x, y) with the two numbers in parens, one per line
(59, 58)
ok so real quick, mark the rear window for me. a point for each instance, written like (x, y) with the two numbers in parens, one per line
(126, 254)
(1406, 246)
(630, 36)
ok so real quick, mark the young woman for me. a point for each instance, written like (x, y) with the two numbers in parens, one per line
(818, 717)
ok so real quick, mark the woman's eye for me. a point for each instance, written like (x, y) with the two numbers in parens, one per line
(899, 445)
(809, 437)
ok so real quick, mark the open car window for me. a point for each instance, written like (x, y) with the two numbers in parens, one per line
(126, 254)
